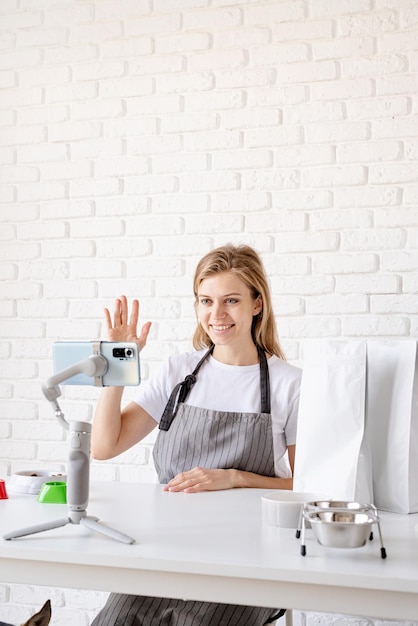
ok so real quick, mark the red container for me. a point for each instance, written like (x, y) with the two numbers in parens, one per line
(3, 490)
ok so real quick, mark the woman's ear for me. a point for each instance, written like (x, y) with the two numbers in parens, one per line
(258, 305)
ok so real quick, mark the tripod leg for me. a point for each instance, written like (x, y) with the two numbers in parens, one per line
(93, 524)
(38, 528)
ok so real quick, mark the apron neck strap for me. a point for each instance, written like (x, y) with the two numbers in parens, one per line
(181, 390)
(264, 381)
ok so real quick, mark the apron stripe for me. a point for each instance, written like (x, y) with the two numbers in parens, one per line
(212, 439)
(144, 611)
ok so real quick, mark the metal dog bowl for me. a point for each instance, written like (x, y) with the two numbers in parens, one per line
(340, 524)
(341, 529)
(339, 504)
(332, 505)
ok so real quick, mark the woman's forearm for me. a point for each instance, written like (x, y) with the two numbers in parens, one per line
(115, 430)
(107, 423)
(204, 479)
(255, 481)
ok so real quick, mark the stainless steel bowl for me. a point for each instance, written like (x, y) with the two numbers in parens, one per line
(339, 504)
(342, 528)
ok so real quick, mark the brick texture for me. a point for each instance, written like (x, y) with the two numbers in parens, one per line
(137, 135)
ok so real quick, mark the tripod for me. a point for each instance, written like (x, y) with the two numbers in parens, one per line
(78, 470)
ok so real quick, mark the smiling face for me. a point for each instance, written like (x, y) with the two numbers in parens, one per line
(225, 308)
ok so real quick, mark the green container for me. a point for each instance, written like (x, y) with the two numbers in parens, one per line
(53, 493)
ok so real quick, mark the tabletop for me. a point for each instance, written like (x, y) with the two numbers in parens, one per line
(211, 546)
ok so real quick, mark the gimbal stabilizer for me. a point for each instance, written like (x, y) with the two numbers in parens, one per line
(78, 469)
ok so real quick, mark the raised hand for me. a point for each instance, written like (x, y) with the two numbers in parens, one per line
(123, 328)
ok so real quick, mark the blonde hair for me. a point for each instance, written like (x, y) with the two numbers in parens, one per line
(245, 263)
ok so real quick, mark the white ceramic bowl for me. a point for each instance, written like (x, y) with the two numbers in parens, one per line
(282, 508)
(31, 481)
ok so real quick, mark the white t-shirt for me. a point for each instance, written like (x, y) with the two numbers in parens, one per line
(231, 388)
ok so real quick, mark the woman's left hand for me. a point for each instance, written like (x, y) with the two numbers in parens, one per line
(202, 479)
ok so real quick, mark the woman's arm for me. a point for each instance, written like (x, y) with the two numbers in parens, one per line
(248, 479)
(201, 479)
(115, 430)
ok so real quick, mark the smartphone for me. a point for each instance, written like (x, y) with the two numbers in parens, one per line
(123, 366)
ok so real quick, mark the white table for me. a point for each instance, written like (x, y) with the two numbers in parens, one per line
(210, 547)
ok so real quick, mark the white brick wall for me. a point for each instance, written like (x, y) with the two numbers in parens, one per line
(135, 135)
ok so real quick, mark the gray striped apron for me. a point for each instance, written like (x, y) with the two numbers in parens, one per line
(188, 437)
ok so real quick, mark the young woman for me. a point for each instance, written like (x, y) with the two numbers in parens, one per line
(226, 414)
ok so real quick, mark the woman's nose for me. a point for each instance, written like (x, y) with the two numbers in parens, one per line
(218, 309)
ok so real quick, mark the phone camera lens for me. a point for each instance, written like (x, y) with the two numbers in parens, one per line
(123, 353)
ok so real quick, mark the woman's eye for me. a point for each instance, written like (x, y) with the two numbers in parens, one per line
(232, 301)
(204, 301)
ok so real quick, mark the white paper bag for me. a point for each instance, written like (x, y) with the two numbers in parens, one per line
(392, 423)
(332, 456)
